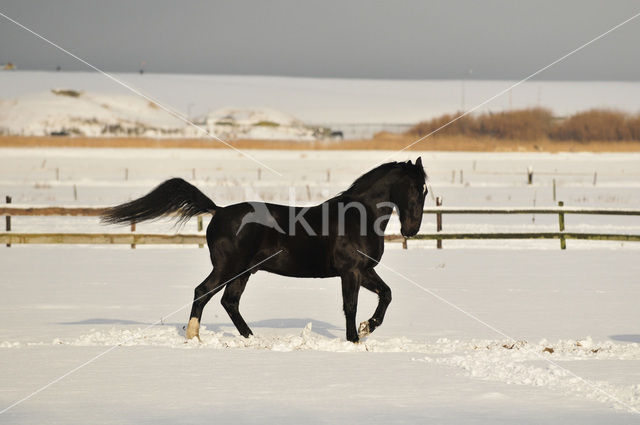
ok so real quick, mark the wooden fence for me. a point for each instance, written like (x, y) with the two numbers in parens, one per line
(134, 239)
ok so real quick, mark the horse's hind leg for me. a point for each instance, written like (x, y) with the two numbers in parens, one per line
(231, 302)
(203, 293)
(350, 289)
(374, 283)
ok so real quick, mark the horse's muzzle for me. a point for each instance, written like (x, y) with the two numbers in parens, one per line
(408, 231)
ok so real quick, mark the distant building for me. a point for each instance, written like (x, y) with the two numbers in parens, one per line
(8, 66)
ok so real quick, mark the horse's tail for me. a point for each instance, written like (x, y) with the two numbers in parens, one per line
(173, 196)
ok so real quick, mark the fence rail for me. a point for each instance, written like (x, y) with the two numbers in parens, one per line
(101, 238)
(196, 239)
(92, 211)
(51, 211)
(542, 210)
(134, 239)
(542, 235)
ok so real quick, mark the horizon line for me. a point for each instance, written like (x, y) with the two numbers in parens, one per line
(303, 77)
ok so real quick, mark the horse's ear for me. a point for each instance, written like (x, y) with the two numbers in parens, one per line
(419, 161)
(409, 162)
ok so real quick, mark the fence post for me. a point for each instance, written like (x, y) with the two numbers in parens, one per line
(133, 229)
(595, 177)
(563, 241)
(200, 229)
(439, 222)
(554, 190)
(8, 219)
(530, 175)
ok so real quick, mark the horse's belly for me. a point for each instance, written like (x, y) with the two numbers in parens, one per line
(291, 272)
(301, 263)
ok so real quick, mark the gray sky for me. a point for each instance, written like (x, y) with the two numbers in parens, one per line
(345, 38)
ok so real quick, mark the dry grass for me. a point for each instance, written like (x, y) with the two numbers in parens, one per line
(66, 92)
(461, 127)
(382, 141)
(523, 124)
(599, 125)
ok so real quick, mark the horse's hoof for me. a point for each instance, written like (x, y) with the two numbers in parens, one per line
(193, 329)
(364, 330)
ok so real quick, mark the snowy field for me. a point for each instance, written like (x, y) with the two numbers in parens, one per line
(110, 176)
(537, 335)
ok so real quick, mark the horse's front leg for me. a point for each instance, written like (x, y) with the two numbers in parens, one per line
(374, 283)
(350, 287)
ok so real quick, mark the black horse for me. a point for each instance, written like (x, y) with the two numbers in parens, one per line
(327, 240)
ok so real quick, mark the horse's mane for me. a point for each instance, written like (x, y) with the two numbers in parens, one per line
(366, 180)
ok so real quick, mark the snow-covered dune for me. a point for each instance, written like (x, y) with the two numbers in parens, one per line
(69, 111)
(64, 111)
(254, 123)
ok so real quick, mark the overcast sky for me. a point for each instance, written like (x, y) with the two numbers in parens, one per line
(345, 38)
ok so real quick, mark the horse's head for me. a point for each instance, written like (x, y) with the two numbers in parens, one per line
(408, 194)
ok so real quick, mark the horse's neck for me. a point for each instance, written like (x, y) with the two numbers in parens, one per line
(377, 193)
(377, 199)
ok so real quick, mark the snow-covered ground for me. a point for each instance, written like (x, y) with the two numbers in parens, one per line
(357, 107)
(428, 362)
(555, 337)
